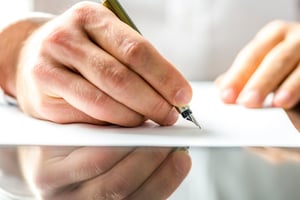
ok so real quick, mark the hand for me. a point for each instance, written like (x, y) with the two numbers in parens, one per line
(278, 155)
(103, 173)
(269, 63)
(87, 66)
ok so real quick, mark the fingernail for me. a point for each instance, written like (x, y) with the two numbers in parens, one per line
(251, 98)
(182, 97)
(228, 95)
(172, 117)
(182, 149)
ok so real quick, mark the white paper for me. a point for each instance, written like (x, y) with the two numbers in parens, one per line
(222, 126)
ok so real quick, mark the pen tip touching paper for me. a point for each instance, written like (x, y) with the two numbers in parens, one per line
(193, 119)
(187, 114)
(116, 8)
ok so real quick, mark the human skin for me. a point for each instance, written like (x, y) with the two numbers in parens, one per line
(269, 63)
(103, 173)
(87, 66)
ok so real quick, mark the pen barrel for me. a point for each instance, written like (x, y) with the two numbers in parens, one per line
(120, 12)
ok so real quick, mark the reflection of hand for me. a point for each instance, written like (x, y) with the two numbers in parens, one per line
(278, 155)
(103, 173)
(87, 66)
(270, 63)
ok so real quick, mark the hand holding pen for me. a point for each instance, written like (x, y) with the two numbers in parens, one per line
(117, 9)
(88, 66)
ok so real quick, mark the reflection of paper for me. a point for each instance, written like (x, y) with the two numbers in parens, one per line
(222, 125)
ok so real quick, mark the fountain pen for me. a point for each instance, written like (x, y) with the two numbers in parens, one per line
(119, 11)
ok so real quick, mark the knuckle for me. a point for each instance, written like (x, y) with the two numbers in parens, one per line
(42, 73)
(277, 27)
(82, 173)
(135, 52)
(39, 71)
(100, 98)
(115, 189)
(59, 37)
(87, 12)
(115, 75)
(64, 42)
(118, 189)
(80, 91)
(83, 12)
(119, 78)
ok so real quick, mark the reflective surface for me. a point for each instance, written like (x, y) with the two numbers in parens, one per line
(240, 167)
(294, 115)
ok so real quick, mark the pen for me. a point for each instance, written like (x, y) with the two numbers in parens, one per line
(119, 11)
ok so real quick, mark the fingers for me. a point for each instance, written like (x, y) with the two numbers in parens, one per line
(117, 83)
(59, 111)
(267, 153)
(125, 86)
(273, 70)
(278, 155)
(165, 179)
(139, 55)
(63, 168)
(120, 63)
(127, 176)
(287, 96)
(249, 60)
(269, 62)
(147, 173)
(104, 173)
(90, 104)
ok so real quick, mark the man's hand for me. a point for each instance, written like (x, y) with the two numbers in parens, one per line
(269, 63)
(278, 155)
(103, 173)
(88, 66)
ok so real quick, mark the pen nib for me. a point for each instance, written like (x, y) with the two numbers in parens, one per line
(193, 119)
(187, 114)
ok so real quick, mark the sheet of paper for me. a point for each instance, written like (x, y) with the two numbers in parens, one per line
(222, 126)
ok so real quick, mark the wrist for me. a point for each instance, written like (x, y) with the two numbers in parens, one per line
(12, 37)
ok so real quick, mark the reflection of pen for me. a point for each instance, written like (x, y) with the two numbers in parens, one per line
(119, 11)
